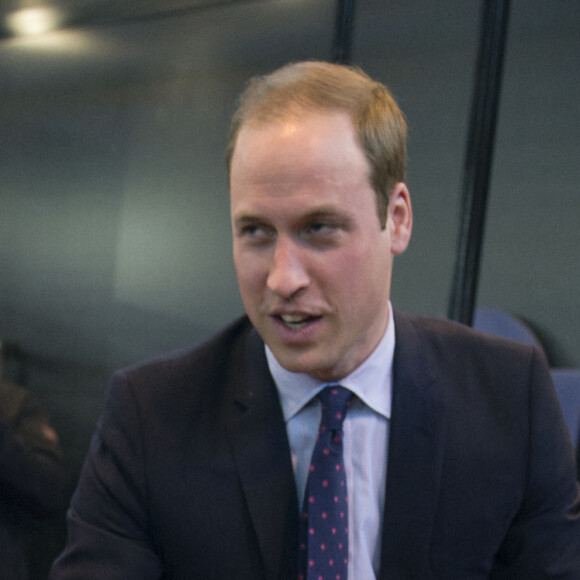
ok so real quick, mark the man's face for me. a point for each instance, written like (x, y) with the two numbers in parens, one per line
(313, 264)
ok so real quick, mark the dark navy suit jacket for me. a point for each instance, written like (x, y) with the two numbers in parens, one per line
(189, 473)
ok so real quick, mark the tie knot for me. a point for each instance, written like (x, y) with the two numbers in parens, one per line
(335, 402)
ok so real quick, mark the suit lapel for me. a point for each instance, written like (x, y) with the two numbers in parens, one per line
(259, 442)
(415, 456)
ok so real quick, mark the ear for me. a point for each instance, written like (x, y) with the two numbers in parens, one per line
(400, 216)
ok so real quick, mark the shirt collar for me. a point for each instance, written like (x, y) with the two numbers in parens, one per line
(371, 381)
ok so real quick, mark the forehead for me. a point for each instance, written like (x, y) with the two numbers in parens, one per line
(299, 167)
(294, 146)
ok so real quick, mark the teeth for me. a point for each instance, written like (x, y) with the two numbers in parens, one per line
(293, 318)
(294, 321)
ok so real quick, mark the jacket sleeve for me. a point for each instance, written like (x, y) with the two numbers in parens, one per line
(108, 531)
(544, 539)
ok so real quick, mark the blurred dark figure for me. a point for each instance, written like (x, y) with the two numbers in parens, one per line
(33, 482)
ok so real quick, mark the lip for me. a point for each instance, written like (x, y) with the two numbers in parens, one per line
(301, 332)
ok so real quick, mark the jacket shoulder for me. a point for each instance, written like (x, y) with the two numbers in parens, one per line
(192, 368)
(447, 337)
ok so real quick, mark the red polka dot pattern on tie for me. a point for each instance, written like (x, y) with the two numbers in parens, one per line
(323, 547)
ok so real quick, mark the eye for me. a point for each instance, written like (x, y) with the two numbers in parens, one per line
(255, 232)
(323, 234)
(321, 228)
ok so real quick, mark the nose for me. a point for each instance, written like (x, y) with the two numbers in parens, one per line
(287, 275)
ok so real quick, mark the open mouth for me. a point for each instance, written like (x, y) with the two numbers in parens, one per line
(296, 321)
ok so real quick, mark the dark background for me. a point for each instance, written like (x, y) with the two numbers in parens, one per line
(114, 217)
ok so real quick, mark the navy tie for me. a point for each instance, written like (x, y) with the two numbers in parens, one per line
(323, 546)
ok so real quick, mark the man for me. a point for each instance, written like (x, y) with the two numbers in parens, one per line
(457, 461)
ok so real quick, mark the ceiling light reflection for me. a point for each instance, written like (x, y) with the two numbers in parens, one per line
(33, 21)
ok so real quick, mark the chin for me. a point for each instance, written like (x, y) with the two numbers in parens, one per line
(296, 363)
(317, 369)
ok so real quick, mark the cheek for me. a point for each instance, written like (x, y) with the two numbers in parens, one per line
(342, 277)
(366, 275)
(249, 293)
(249, 272)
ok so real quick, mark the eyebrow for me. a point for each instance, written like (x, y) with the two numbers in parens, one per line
(338, 216)
(319, 213)
(248, 218)
(325, 211)
(322, 212)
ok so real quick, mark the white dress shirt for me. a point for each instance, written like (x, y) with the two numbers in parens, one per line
(366, 432)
